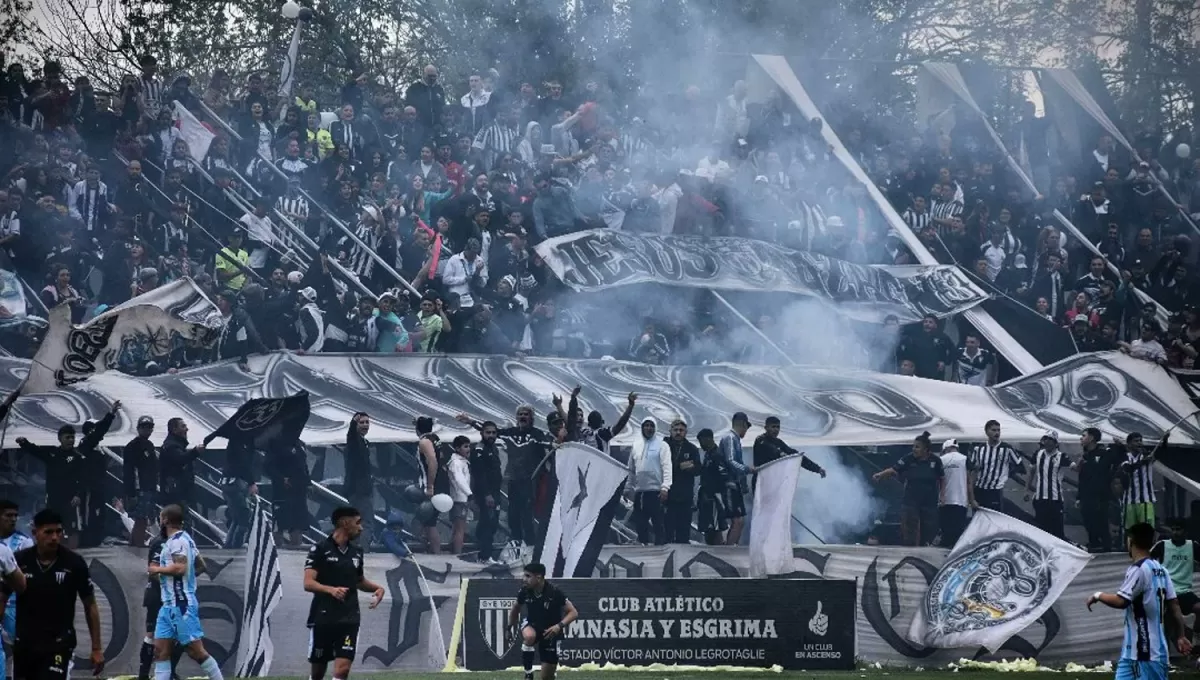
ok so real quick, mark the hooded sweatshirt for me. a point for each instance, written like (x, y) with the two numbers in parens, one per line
(650, 464)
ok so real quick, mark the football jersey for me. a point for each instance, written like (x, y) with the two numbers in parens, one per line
(1147, 588)
(179, 591)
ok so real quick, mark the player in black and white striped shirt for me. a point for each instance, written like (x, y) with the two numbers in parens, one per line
(1044, 485)
(1138, 472)
(944, 208)
(989, 465)
(917, 216)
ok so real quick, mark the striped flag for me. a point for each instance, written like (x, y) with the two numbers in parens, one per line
(587, 487)
(264, 591)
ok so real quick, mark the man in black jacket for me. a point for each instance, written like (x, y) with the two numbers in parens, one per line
(357, 484)
(487, 477)
(177, 466)
(287, 468)
(66, 471)
(769, 447)
(141, 480)
(94, 482)
(527, 446)
(429, 99)
(239, 481)
(685, 464)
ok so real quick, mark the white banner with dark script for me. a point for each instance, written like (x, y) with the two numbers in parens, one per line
(601, 258)
(817, 406)
(893, 583)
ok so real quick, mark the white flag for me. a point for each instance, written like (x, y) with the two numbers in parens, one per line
(263, 592)
(287, 75)
(1001, 576)
(587, 480)
(150, 327)
(192, 131)
(771, 522)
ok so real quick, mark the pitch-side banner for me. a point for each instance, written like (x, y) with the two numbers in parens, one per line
(150, 327)
(1110, 391)
(601, 258)
(400, 635)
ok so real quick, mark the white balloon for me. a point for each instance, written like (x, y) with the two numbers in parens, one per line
(1183, 151)
(290, 9)
(442, 502)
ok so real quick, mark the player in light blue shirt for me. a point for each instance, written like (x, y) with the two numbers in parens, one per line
(1146, 595)
(179, 617)
(15, 541)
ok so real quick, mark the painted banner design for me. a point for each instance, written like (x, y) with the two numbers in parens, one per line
(150, 327)
(1111, 391)
(1000, 577)
(892, 584)
(796, 624)
(601, 258)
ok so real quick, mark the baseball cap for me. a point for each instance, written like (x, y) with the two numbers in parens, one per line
(741, 415)
(1050, 434)
(950, 444)
(145, 421)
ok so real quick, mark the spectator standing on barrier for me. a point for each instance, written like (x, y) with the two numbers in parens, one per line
(94, 488)
(459, 467)
(431, 471)
(333, 573)
(287, 467)
(650, 473)
(239, 481)
(487, 479)
(66, 488)
(177, 466)
(989, 466)
(1137, 471)
(768, 447)
(357, 484)
(685, 469)
(1044, 486)
(924, 479)
(712, 502)
(955, 496)
(731, 453)
(526, 446)
(1095, 468)
(141, 480)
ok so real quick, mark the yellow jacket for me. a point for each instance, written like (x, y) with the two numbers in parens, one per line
(324, 142)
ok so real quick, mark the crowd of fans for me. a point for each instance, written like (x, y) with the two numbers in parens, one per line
(407, 223)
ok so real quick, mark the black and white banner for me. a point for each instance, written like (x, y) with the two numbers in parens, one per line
(150, 327)
(600, 259)
(1000, 578)
(263, 593)
(795, 624)
(1111, 391)
(587, 482)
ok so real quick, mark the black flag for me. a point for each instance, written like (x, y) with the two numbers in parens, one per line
(263, 423)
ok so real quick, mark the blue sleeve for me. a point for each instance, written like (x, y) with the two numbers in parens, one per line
(733, 454)
(392, 542)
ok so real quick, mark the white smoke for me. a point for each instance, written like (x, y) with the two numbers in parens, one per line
(837, 509)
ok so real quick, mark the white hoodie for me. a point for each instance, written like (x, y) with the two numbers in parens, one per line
(460, 478)
(642, 479)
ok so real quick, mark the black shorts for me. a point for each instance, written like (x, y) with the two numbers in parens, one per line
(38, 661)
(712, 514)
(329, 641)
(547, 648)
(1187, 602)
(737, 503)
(152, 619)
